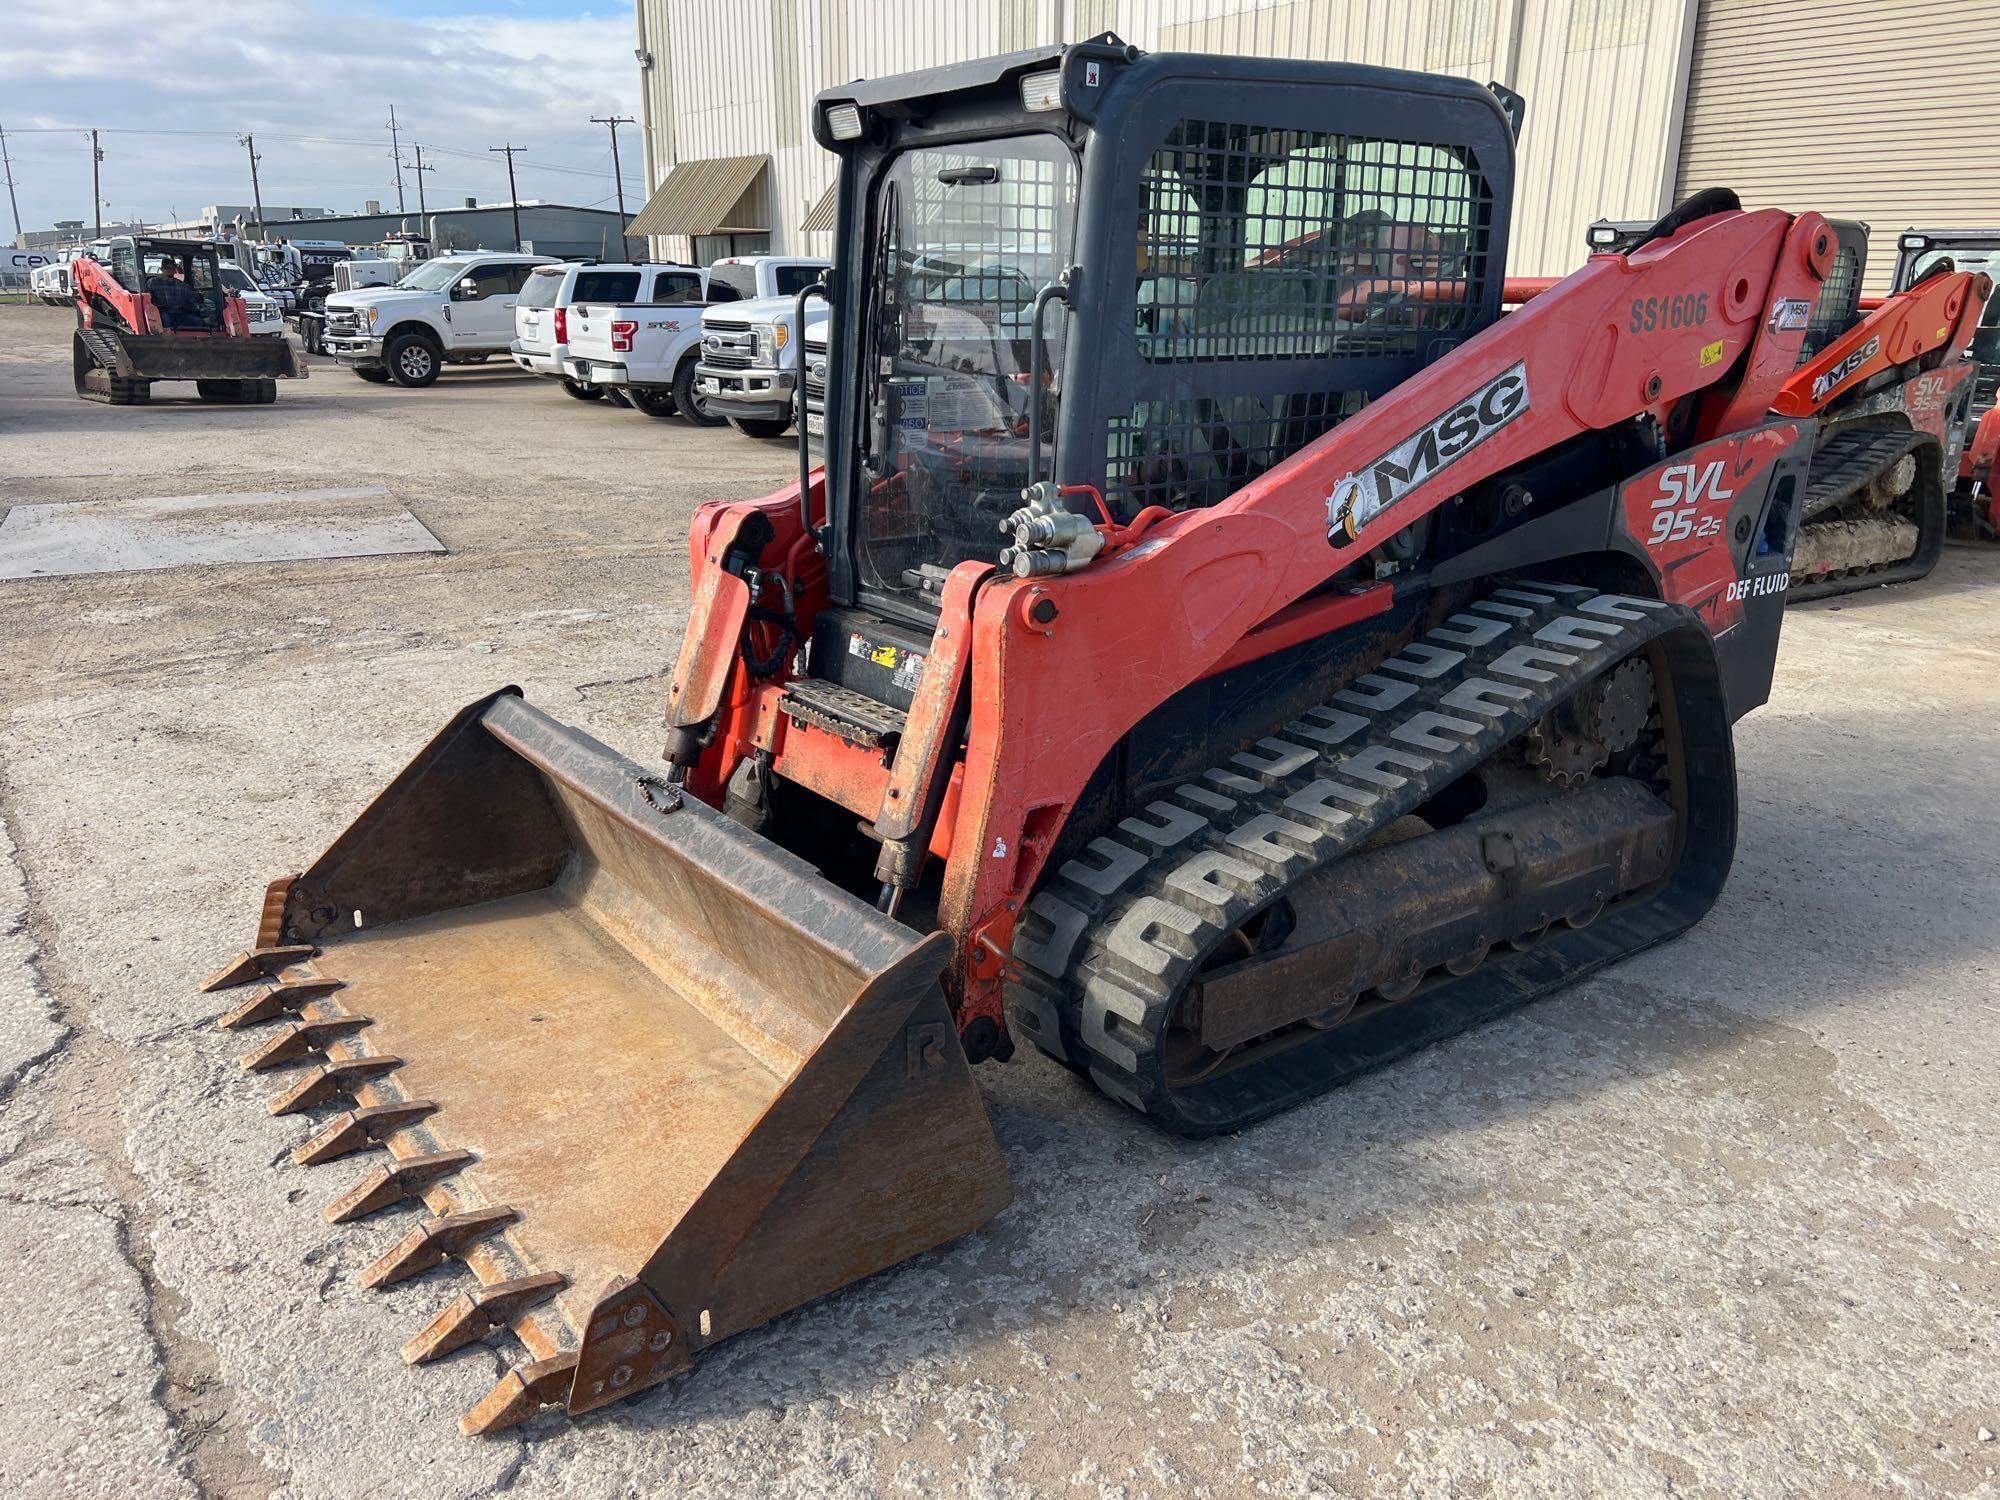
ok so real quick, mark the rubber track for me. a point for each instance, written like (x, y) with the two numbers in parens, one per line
(1849, 459)
(1109, 943)
(1844, 464)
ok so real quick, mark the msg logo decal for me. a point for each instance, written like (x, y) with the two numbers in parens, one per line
(1789, 314)
(1831, 380)
(1432, 448)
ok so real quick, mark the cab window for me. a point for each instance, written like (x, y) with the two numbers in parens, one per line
(487, 281)
(790, 279)
(677, 287)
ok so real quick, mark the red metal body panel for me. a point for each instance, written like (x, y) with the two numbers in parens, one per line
(1679, 512)
(1210, 588)
(1975, 464)
(1802, 266)
(1928, 397)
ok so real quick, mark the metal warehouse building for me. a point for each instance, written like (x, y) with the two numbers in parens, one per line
(1631, 103)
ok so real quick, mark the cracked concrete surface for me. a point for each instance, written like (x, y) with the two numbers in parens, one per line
(1718, 1223)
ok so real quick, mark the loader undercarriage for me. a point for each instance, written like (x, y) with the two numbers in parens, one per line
(1874, 511)
(1393, 865)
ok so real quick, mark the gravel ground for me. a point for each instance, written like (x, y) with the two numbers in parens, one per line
(1717, 1223)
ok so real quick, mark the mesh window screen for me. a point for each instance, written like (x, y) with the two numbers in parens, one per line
(1838, 303)
(1259, 245)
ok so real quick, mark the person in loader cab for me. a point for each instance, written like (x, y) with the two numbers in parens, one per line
(174, 300)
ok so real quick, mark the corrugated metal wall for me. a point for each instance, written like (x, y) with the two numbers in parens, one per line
(1602, 79)
(1836, 105)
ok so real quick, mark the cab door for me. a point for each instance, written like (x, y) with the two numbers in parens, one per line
(482, 306)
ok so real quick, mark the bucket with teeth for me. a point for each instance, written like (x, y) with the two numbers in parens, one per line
(649, 1080)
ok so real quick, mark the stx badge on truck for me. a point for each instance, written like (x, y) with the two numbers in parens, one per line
(1432, 448)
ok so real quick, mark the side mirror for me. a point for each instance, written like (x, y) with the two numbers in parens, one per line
(464, 290)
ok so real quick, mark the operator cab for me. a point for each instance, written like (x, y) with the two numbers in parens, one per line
(182, 277)
(1157, 277)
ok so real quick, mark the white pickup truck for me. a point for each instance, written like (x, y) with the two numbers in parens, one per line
(750, 359)
(553, 305)
(648, 352)
(452, 309)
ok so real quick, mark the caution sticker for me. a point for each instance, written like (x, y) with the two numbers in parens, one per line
(1710, 353)
(883, 656)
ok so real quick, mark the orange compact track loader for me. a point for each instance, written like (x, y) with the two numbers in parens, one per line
(1974, 510)
(1221, 649)
(150, 309)
(1896, 399)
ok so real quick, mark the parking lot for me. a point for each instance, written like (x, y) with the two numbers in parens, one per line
(1719, 1222)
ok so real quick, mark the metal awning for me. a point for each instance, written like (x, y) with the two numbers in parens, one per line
(725, 194)
(821, 217)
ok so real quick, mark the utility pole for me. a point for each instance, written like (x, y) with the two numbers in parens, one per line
(96, 192)
(614, 121)
(422, 167)
(513, 197)
(396, 155)
(8, 162)
(249, 143)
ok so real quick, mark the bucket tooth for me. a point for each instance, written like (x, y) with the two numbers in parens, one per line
(255, 964)
(282, 997)
(430, 1244)
(302, 1039)
(330, 1082)
(359, 1129)
(472, 1315)
(519, 1394)
(630, 1342)
(392, 1182)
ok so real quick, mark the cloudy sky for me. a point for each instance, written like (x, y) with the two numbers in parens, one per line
(172, 84)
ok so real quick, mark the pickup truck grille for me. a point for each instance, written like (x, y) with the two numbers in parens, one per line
(728, 346)
(815, 373)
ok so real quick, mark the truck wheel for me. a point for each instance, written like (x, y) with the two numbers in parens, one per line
(583, 392)
(762, 427)
(309, 335)
(412, 360)
(688, 400)
(615, 396)
(373, 374)
(653, 400)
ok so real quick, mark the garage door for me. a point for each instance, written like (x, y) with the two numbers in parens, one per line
(1864, 109)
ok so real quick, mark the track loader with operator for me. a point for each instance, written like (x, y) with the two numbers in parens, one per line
(151, 309)
(1888, 382)
(1252, 659)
